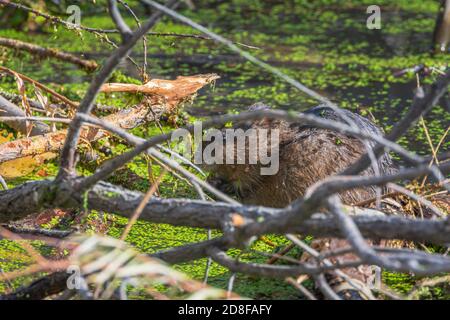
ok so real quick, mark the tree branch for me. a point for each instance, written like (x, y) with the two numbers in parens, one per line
(68, 152)
(42, 52)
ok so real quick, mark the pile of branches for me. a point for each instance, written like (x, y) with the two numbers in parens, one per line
(318, 213)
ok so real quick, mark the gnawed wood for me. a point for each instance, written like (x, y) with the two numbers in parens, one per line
(22, 166)
(169, 92)
(170, 96)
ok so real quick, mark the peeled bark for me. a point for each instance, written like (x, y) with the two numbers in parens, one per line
(170, 92)
(54, 141)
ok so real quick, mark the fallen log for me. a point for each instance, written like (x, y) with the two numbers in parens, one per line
(31, 197)
(88, 65)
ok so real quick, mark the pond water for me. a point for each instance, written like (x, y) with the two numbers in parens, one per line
(326, 47)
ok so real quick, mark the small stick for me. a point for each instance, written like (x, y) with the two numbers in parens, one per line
(369, 201)
(435, 151)
(301, 288)
(283, 252)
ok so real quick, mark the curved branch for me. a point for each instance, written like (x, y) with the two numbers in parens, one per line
(121, 25)
(270, 270)
(8, 109)
(110, 166)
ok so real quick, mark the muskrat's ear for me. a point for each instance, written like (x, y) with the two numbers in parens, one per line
(258, 106)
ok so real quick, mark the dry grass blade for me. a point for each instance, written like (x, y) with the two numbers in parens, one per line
(142, 204)
(434, 150)
(106, 263)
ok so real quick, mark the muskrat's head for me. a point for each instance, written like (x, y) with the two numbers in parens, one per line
(256, 152)
(229, 165)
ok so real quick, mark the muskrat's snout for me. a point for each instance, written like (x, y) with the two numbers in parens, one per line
(225, 185)
(232, 179)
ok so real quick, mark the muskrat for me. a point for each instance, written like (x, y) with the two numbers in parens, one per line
(307, 154)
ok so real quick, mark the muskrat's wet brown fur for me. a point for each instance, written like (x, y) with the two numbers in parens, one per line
(307, 155)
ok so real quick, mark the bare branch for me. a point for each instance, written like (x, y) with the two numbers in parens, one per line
(325, 288)
(107, 31)
(53, 19)
(418, 198)
(31, 197)
(110, 166)
(40, 86)
(121, 25)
